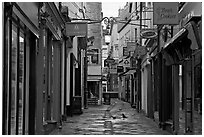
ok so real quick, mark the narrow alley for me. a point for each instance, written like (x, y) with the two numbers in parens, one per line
(101, 68)
(108, 120)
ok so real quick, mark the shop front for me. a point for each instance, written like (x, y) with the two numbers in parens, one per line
(184, 50)
(20, 39)
(32, 61)
(94, 90)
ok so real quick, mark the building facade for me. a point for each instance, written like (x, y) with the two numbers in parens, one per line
(167, 73)
(32, 41)
(173, 96)
(94, 12)
(44, 65)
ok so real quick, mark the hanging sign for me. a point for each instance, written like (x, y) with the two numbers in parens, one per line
(148, 33)
(126, 62)
(120, 69)
(140, 50)
(165, 13)
(125, 51)
(109, 60)
(76, 28)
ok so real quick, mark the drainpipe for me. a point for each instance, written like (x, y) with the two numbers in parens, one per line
(139, 65)
(85, 78)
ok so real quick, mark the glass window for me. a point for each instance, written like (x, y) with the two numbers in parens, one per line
(21, 80)
(17, 80)
(93, 58)
(16, 106)
(13, 78)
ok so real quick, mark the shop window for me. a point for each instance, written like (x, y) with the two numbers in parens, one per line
(17, 79)
(21, 80)
(15, 58)
(13, 78)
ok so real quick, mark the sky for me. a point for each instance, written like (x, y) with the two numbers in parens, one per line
(110, 9)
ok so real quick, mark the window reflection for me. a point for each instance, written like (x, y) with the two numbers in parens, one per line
(21, 81)
(13, 78)
(93, 56)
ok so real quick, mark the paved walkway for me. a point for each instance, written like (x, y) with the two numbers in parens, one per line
(115, 119)
(197, 123)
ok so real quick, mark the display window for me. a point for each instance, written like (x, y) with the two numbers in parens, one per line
(15, 93)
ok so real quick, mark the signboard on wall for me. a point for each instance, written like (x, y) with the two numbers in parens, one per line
(126, 62)
(76, 28)
(120, 69)
(125, 51)
(165, 13)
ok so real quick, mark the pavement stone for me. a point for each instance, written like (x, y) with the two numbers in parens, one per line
(108, 120)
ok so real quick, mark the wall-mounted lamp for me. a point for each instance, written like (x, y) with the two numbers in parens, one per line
(76, 64)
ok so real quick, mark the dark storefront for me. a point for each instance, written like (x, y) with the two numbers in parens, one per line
(182, 51)
(21, 37)
(31, 68)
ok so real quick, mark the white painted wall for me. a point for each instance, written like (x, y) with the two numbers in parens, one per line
(62, 78)
(144, 83)
(144, 90)
(68, 80)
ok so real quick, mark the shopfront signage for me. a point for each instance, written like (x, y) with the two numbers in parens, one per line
(120, 69)
(76, 28)
(140, 50)
(126, 62)
(165, 13)
(148, 34)
(125, 51)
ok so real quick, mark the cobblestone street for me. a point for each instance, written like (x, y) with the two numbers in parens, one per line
(109, 120)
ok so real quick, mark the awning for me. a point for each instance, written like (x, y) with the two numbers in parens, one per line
(183, 32)
(27, 11)
(190, 30)
(182, 44)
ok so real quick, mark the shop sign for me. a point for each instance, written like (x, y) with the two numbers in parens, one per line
(120, 69)
(125, 51)
(76, 28)
(126, 62)
(140, 50)
(148, 34)
(165, 13)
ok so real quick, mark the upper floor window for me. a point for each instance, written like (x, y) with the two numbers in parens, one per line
(93, 57)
